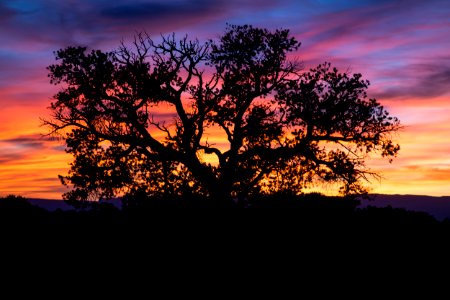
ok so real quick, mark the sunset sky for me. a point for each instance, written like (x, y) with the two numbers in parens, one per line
(402, 47)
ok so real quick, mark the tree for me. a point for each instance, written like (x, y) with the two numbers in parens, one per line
(140, 119)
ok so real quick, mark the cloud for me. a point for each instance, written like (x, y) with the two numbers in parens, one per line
(435, 174)
(19, 148)
(44, 24)
(31, 141)
(7, 158)
(399, 47)
(5, 12)
(434, 81)
(29, 165)
(426, 80)
(159, 10)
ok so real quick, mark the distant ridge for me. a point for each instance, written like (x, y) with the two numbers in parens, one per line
(50, 204)
(439, 207)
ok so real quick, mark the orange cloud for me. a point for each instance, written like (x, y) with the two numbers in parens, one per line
(423, 165)
(29, 165)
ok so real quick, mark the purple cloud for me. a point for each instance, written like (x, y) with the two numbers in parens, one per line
(158, 10)
(424, 80)
(5, 12)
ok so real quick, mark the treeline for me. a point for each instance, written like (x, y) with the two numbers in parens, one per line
(305, 209)
(311, 223)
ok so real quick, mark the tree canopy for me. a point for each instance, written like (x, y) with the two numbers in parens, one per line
(224, 118)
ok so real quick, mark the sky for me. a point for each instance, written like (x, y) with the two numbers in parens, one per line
(401, 47)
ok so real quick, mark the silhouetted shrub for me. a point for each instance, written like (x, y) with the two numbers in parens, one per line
(283, 217)
(17, 209)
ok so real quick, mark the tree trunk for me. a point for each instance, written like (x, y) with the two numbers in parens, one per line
(221, 195)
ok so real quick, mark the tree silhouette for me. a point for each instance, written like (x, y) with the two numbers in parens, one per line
(140, 120)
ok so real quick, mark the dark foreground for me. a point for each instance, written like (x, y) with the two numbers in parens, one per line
(276, 231)
(312, 211)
